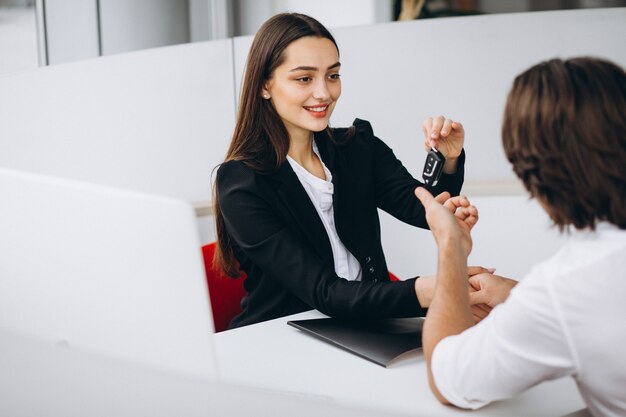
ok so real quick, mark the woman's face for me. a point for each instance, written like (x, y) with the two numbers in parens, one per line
(306, 86)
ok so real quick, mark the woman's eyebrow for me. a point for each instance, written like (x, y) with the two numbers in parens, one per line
(307, 68)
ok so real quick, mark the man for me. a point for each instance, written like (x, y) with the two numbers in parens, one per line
(564, 131)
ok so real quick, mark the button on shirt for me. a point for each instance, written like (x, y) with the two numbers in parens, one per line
(566, 318)
(321, 194)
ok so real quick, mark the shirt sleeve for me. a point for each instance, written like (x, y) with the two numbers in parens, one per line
(520, 344)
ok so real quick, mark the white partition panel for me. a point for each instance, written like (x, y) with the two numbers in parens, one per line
(156, 120)
(513, 234)
(397, 74)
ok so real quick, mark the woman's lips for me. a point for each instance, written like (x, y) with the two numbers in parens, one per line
(319, 110)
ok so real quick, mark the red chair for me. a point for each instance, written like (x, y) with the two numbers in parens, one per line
(225, 292)
(392, 277)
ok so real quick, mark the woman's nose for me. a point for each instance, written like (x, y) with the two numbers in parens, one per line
(321, 91)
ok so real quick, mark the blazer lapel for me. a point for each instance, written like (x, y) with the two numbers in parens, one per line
(346, 213)
(298, 203)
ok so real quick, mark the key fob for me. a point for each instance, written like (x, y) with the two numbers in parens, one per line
(433, 167)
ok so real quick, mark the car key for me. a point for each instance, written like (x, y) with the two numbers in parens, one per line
(433, 168)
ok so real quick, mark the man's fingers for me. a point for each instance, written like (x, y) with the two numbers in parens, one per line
(424, 196)
(471, 221)
(478, 297)
(473, 270)
(476, 280)
(478, 314)
(459, 201)
(443, 197)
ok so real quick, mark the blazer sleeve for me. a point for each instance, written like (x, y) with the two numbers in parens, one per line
(395, 186)
(264, 237)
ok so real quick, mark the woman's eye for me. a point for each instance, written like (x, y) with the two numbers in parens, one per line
(304, 79)
(334, 76)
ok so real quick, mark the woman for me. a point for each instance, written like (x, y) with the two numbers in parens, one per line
(296, 202)
(564, 131)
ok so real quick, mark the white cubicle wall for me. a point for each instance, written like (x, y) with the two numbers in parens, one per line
(397, 74)
(513, 233)
(155, 120)
(159, 120)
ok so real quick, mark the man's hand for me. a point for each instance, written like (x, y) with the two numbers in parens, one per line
(425, 289)
(479, 311)
(451, 221)
(450, 311)
(491, 290)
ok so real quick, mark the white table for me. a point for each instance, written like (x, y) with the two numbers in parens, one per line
(41, 378)
(277, 356)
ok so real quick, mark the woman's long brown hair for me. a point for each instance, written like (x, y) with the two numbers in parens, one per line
(260, 139)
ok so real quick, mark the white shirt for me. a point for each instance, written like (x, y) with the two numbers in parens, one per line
(566, 318)
(321, 194)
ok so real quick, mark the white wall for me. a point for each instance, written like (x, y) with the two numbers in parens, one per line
(156, 120)
(141, 24)
(18, 39)
(252, 13)
(508, 227)
(71, 30)
(81, 29)
(397, 74)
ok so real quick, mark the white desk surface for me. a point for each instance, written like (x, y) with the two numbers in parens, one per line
(277, 356)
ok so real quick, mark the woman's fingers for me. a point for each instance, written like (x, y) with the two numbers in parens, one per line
(446, 128)
(438, 122)
(437, 128)
(458, 126)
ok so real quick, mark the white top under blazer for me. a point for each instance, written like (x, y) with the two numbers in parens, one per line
(321, 194)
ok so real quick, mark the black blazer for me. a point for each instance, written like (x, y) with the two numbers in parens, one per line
(282, 245)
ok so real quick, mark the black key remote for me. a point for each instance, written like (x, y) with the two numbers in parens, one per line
(433, 167)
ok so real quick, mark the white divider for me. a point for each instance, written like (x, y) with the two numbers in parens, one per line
(513, 234)
(159, 120)
(156, 120)
(397, 74)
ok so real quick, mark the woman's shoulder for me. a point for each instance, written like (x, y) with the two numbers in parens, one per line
(360, 129)
(234, 173)
(363, 128)
(359, 137)
(233, 167)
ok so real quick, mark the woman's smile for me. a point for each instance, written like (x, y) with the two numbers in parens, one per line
(318, 110)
